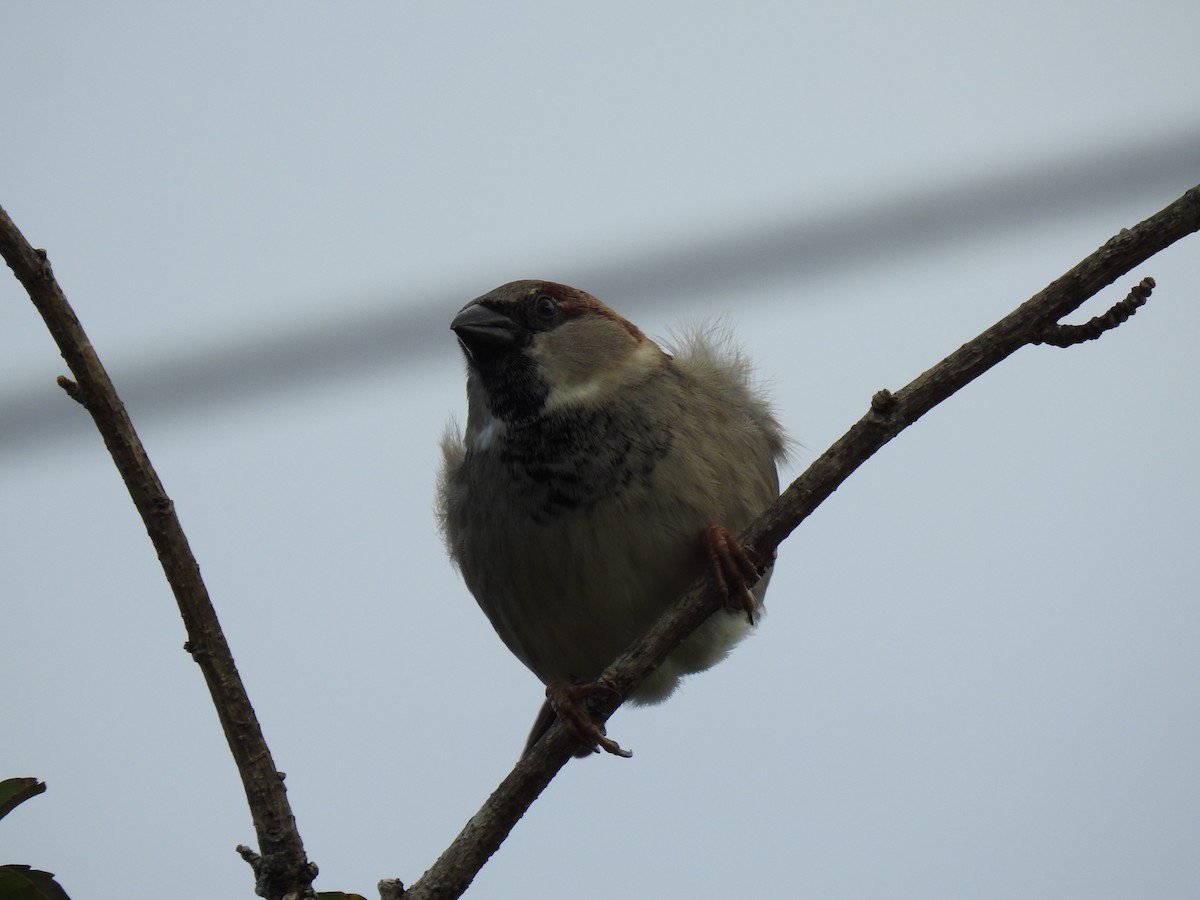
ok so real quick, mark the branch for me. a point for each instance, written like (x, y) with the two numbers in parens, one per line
(1058, 335)
(283, 867)
(1035, 321)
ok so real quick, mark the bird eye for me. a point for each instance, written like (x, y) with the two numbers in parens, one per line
(545, 308)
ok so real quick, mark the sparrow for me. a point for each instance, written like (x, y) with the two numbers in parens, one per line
(597, 477)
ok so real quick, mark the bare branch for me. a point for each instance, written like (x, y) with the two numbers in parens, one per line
(1058, 335)
(283, 867)
(889, 414)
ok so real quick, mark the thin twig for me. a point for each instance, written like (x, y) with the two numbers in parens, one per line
(1059, 335)
(889, 414)
(283, 867)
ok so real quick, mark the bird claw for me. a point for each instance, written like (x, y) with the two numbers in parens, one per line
(732, 566)
(570, 705)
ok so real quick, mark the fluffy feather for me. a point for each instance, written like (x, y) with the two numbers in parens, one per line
(591, 464)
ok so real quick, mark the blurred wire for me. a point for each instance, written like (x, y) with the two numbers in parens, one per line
(390, 331)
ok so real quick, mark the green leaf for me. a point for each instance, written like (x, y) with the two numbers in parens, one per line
(24, 883)
(15, 791)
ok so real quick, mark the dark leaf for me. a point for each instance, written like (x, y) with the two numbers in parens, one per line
(24, 883)
(15, 791)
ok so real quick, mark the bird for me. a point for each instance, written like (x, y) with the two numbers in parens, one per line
(599, 474)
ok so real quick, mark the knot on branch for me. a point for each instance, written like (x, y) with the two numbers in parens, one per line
(73, 390)
(276, 875)
(1058, 335)
(883, 401)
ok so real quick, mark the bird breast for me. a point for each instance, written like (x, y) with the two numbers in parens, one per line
(575, 532)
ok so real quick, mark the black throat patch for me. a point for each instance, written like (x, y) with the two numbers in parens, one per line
(573, 459)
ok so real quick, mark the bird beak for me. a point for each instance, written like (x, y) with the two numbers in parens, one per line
(483, 331)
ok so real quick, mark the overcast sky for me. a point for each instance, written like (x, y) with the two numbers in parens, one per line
(978, 675)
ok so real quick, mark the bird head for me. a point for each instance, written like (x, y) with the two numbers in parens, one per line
(534, 347)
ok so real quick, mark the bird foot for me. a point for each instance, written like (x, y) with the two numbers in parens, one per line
(570, 705)
(732, 568)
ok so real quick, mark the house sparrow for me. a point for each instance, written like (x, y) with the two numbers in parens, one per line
(597, 478)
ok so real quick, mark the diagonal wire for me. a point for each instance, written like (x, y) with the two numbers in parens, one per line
(387, 332)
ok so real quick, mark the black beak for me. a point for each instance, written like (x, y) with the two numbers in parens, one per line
(483, 331)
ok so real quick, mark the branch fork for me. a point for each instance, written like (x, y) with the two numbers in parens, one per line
(1059, 335)
(283, 870)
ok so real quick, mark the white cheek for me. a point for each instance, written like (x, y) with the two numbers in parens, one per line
(644, 359)
(575, 394)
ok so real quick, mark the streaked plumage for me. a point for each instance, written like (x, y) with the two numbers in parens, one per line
(591, 464)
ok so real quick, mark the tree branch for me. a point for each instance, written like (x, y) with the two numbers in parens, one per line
(283, 867)
(1058, 335)
(1033, 322)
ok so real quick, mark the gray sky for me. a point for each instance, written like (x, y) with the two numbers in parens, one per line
(978, 675)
